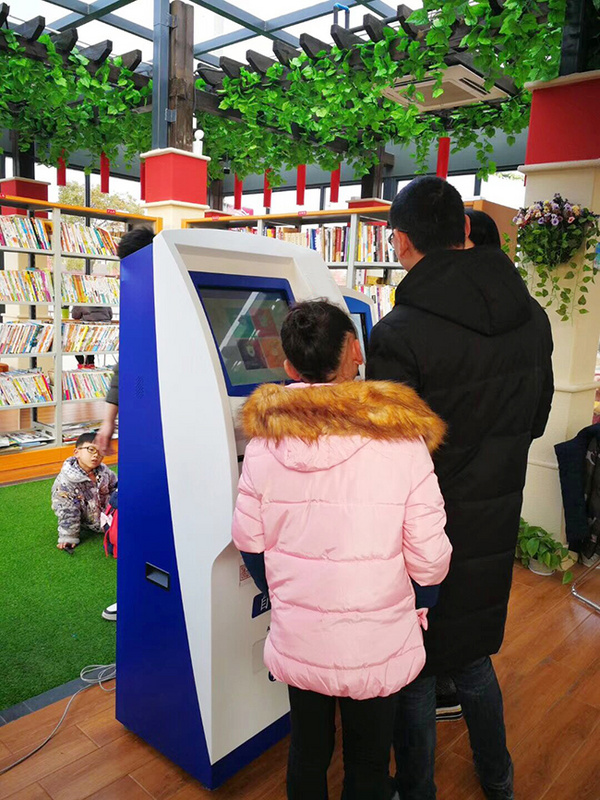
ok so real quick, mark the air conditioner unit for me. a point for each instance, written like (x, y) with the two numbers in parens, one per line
(461, 87)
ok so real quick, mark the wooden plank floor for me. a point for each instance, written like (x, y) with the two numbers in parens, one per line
(549, 669)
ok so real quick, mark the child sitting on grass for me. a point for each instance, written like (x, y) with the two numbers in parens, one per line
(81, 491)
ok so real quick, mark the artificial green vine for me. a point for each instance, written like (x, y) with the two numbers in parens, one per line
(330, 99)
(64, 108)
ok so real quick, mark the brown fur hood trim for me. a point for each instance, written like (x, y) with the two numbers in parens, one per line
(373, 409)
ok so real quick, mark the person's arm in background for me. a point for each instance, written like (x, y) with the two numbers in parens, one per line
(390, 357)
(111, 412)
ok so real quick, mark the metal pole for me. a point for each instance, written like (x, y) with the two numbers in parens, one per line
(160, 74)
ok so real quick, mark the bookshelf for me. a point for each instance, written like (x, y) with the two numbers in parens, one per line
(363, 259)
(35, 339)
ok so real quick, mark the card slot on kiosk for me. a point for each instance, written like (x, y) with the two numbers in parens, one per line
(201, 316)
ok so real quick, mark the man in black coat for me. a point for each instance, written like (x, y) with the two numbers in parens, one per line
(466, 334)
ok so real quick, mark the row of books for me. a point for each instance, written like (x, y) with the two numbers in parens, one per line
(89, 337)
(25, 285)
(382, 295)
(35, 286)
(332, 242)
(26, 337)
(89, 384)
(24, 386)
(27, 232)
(79, 238)
(13, 440)
(101, 289)
(32, 337)
(372, 244)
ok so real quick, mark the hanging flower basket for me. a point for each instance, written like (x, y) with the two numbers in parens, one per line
(549, 233)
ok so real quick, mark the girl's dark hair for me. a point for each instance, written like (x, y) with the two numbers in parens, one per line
(484, 230)
(313, 335)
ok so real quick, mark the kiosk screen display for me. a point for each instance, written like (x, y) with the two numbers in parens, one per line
(361, 330)
(246, 325)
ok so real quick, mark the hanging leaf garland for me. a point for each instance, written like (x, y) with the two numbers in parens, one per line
(66, 108)
(332, 99)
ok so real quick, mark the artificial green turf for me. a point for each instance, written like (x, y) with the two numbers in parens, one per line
(51, 602)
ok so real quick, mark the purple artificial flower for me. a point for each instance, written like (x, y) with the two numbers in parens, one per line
(541, 220)
(554, 219)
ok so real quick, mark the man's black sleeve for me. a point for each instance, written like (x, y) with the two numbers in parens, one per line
(390, 357)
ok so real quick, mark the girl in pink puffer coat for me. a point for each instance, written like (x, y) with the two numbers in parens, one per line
(339, 494)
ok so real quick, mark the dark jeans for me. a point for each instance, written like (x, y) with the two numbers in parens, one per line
(414, 735)
(85, 359)
(367, 727)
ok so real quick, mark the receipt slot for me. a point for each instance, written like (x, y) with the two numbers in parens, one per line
(201, 313)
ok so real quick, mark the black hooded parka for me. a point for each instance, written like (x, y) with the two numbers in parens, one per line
(467, 335)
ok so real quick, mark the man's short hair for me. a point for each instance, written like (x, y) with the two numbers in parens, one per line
(134, 240)
(431, 212)
(85, 438)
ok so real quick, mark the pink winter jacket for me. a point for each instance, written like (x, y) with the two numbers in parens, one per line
(338, 491)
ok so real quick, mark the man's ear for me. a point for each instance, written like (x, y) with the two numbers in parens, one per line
(404, 246)
(291, 371)
(467, 226)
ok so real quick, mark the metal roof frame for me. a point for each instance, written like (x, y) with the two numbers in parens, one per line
(251, 26)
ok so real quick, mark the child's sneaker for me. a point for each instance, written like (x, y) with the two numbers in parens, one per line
(110, 612)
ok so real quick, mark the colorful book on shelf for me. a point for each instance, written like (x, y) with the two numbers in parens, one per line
(90, 289)
(77, 238)
(27, 286)
(89, 337)
(25, 232)
(383, 296)
(29, 337)
(24, 387)
(372, 245)
(89, 384)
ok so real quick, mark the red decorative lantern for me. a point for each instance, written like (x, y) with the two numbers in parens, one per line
(267, 191)
(104, 173)
(300, 184)
(238, 187)
(334, 193)
(443, 156)
(61, 172)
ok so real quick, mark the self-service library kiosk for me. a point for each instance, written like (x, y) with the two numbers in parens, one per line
(201, 312)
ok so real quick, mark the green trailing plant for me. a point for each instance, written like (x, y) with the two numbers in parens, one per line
(63, 107)
(535, 542)
(331, 98)
(549, 233)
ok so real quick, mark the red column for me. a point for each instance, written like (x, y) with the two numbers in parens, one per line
(172, 175)
(23, 187)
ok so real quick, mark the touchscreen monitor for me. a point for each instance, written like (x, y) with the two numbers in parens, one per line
(246, 324)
